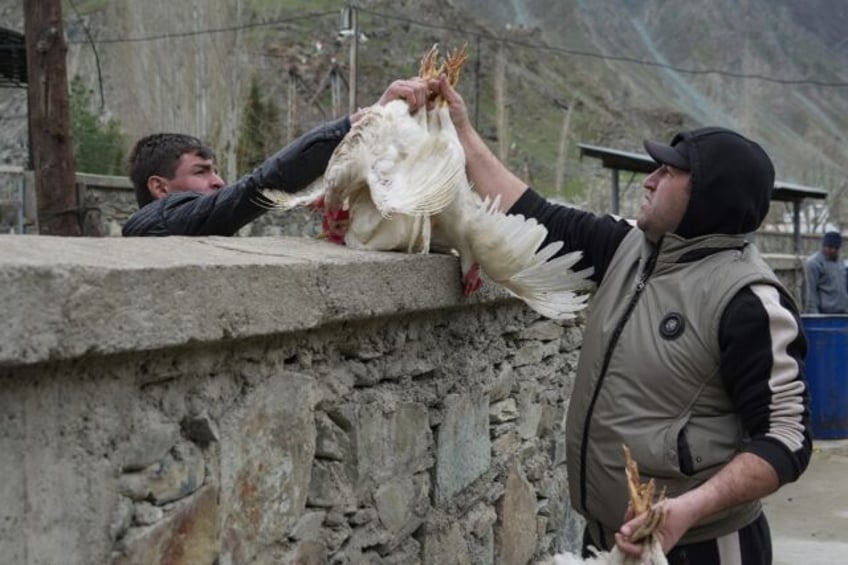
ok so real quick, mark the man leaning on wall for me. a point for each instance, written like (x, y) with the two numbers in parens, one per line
(179, 191)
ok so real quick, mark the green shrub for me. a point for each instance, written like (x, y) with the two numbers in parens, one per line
(259, 134)
(99, 147)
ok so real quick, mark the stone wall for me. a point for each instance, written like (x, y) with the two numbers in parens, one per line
(273, 400)
(109, 201)
(790, 270)
(783, 243)
(13, 185)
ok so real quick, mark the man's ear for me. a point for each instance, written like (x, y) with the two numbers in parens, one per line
(158, 186)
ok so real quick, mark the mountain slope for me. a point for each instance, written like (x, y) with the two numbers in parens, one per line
(614, 71)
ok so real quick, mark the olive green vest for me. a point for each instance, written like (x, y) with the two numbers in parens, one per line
(661, 378)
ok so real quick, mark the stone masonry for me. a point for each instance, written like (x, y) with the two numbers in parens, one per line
(273, 400)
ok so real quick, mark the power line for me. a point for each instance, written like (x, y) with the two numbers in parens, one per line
(606, 57)
(93, 48)
(312, 15)
(489, 36)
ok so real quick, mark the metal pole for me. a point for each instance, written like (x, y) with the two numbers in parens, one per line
(21, 204)
(796, 225)
(615, 191)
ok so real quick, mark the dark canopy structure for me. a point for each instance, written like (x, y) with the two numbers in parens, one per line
(13, 63)
(617, 160)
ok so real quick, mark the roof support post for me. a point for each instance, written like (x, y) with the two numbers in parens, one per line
(796, 225)
(614, 195)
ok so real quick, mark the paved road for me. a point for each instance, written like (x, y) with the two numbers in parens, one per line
(809, 518)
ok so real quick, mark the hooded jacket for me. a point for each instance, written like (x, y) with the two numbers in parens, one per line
(687, 344)
(226, 211)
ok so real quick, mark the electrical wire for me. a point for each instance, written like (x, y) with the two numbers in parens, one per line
(93, 48)
(607, 57)
(482, 35)
(309, 16)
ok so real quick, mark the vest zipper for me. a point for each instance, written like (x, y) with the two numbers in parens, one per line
(619, 328)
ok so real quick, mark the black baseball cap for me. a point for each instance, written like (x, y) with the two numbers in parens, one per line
(676, 154)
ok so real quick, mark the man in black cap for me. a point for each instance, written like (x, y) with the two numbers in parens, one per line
(827, 292)
(692, 353)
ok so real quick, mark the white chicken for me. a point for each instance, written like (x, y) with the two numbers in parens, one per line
(642, 500)
(397, 182)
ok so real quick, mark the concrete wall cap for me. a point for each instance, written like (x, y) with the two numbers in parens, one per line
(67, 297)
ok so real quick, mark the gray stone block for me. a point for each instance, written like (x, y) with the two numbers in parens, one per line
(463, 450)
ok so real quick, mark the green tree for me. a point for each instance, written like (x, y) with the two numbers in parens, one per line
(259, 134)
(99, 147)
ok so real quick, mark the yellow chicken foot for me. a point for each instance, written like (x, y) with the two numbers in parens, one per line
(642, 499)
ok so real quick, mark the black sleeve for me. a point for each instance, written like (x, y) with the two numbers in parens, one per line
(229, 209)
(596, 236)
(762, 364)
(300, 162)
(188, 213)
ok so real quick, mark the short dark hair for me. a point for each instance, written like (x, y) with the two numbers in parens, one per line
(159, 154)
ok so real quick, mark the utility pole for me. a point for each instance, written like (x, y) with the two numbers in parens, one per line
(350, 27)
(336, 90)
(500, 104)
(292, 107)
(58, 207)
(559, 178)
(477, 85)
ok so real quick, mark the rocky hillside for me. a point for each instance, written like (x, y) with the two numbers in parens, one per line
(604, 72)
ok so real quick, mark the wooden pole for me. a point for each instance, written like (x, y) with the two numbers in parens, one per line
(500, 104)
(559, 179)
(292, 106)
(354, 45)
(58, 207)
(336, 91)
(477, 85)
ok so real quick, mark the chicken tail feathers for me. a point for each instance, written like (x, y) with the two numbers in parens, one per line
(279, 200)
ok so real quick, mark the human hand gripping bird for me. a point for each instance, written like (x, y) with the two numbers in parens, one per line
(646, 535)
(397, 182)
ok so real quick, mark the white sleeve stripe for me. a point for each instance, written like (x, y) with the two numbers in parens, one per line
(787, 402)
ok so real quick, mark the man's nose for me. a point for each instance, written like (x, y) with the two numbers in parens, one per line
(217, 181)
(650, 181)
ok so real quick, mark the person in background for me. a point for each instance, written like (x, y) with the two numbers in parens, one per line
(827, 288)
(180, 192)
(693, 351)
